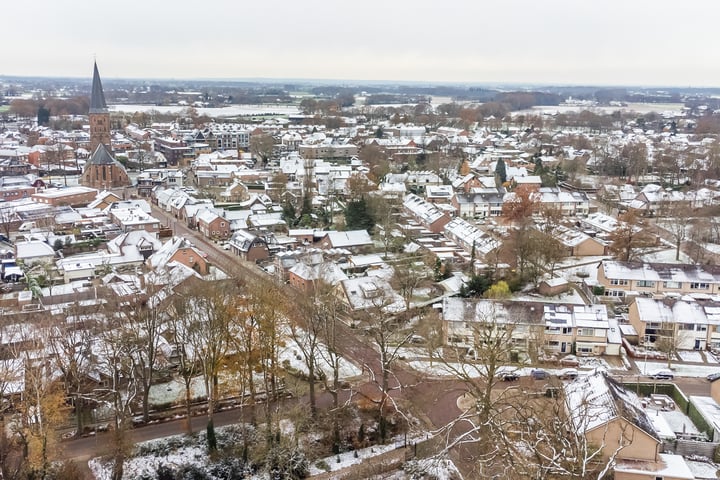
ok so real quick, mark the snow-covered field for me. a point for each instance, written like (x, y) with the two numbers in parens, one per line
(229, 111)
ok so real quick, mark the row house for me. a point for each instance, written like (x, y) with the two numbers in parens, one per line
(470, 238)
(467, 323)
(684, 324)
(556, 329)
(622, 279)
(426, 213)
(328, 151)
(578, 329)
(480, 204)
(569, 204)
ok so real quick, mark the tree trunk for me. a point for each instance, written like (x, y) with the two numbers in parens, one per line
(188, 407)
(311, 385)
(146, 403)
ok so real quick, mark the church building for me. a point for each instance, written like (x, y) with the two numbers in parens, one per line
(102, 170)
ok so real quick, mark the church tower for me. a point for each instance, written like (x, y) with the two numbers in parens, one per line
(102, 170)
(99, 114)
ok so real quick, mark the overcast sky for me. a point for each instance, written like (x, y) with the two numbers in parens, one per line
(601, 42)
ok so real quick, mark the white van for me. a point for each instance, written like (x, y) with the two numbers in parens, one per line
(27, 226)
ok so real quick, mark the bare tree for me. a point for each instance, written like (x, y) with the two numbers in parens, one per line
(262, 146)
(381, 322)
(677, 220)
(211, 308)
(630, 237)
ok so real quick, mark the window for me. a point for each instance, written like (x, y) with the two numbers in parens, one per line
(645, 283)
(618, 281)
(699, 286)
(672, 284)
(586, 332)
(614, 293)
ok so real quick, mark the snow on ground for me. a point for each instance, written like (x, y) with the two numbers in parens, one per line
(703, 469)
(440, 469)
(570, 297)
(147, 466)
(585, 266)
(229, 111)
(665, 256)
(680, 370)
(691, 356)
(708, 407)
(712, 247)
(174, 391)
(348, 458)
(292, 353)
(678, 421)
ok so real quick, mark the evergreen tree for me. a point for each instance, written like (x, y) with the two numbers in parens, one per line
(501, 171)
(358, 216)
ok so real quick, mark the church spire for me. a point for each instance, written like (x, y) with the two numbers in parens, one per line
(97, 98)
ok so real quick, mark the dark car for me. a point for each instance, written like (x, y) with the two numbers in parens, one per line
(539, 374)
(663, 374)
(713, 376)
(509, 376)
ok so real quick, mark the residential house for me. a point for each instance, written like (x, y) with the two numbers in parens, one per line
(34, 252)
(370, 292)
(248, 246)
(179, 250)
(465, 323)
(611, 418)
(472, 239)
(636, 278)
(134, 218)
(682, 323)
(305, 277)
(480, 203)
(579, 244)
(351, 240)
(552, 328)
(212, 225)
(426, 213)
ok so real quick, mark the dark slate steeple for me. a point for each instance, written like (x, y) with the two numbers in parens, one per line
(97, 98)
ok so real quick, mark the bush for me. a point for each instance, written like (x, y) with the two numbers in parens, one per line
(229, 468)
(323, 465)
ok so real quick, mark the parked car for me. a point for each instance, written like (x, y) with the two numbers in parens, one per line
(570, 361)
(713, 376)
(539, 374)
(508, 376)
(568, 374)
(662, 374)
